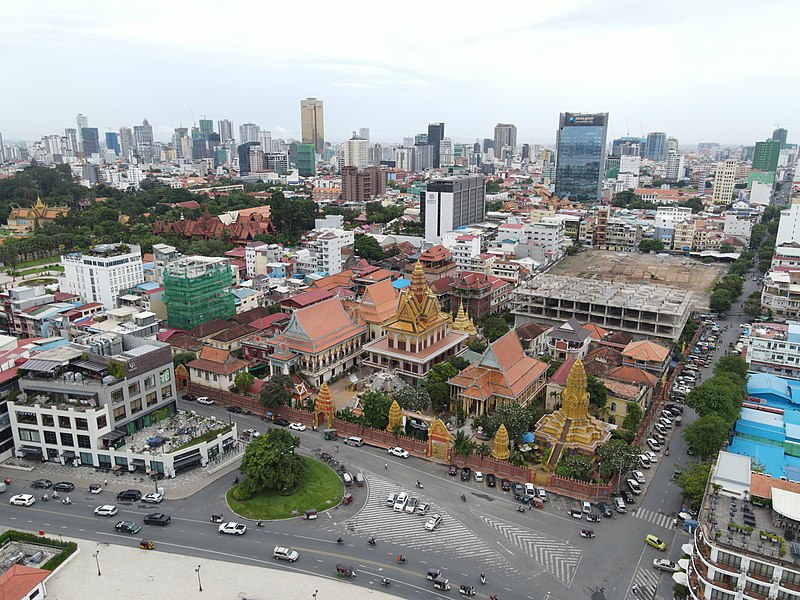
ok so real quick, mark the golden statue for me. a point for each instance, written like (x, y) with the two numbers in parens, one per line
(395, 417)
(500, 448)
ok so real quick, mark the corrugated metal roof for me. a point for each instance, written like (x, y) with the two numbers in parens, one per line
(37, 364)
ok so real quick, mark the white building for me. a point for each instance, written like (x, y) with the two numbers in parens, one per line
(355, 153)
(789, 225)
(724, 182)
(736, 226)
(775, 352)
(463, 247)
(99, 275)
(548, 234)
(675, 167)
(250, 252)
(760, 193)
(630, 164)
(328, 249)
(452, 202)
(446, 153)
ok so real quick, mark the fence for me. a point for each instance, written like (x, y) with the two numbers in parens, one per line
(580, 489)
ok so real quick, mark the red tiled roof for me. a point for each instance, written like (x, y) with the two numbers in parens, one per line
(217, 361)
(21, 580)
(645, 350)
(308, 298)
(633, 375)
(560, 376)
(318, 327)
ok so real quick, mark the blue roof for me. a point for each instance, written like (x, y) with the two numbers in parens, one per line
(148, 285)
(399, 284)
(759, 384)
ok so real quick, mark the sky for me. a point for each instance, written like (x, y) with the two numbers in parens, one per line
(699, 70)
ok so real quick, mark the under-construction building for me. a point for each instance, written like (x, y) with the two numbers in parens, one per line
(197, 289)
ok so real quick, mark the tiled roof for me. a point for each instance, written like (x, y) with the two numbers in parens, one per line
(233, 333)
(625, 391)
(185, 342)
(761, 485)
(601, 360)
(342, 279)
(620, 337)
(597, 332)
(571, 331)
(531, 331)
(209, 328)
(217, 361)
(308, 298)
(248, 316)
(633, 375)
(21, 580)
(560, 376)
(379, 302)
(318, 327)
(435, 253)
(441, 285)
(269, 321)
(645, 350)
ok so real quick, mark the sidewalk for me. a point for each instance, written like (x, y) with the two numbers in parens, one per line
(134, 574)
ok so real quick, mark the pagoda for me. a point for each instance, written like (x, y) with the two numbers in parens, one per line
(463, 322)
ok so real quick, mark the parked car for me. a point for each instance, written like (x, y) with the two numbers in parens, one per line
(22, 500)
(453, 471)
(519, 489)
(400, 502)
(205, 400)
(619, 505)
(128, 527)
(651, 456)
(653, 444)
(423, 508)
(411, 505)
(433, 522)
(390, 499)
(64, 486)
(644, 461)
(586, 506)
(281, 422)
(466, 472)
(398, 451)
(633, 486)
(638, 476)
(491, 480)
(662, 564)
(107, 510)
(530, 489)
(234, 409)
(42, 484)
(541, 493)
(130, 496)
(628, 497)
(157, 519)
(297, 426)
(505, 484)
(575, 513)
(478, 476)
(95, 488)
(282, 553)
(233, 528)
(153, 498)
(189, 397)
(661, 429)
(605, 509)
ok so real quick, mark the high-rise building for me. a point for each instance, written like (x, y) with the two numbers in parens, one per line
(355, 152)
(102, 273)
(446, 153)
(71, 136)
(225, 130)
(656, 146)
(580, 154)
(363, 133)
(90, 140)
(143, 140)
(197, 289)
(243, 150)
(2, 150)
(505, 136)
(312, 123)
(780, 135)
(265, 139)
(112, 141)
(724, 182)
(306, 161)
(675, 166)
(672, 144)
(451, 202)
(361, 185)
(435, 137)
(82, 121)
(526, 152)
(182, 142)
(125, 142)
(249, 132)
(206, 127)
(766, 155)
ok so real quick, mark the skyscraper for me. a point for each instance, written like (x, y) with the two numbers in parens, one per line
(243, 150)
(90, 140)
(780, 135)
(306, 162)
(225, 130)
(355, 152)
(312, 123)
(72, 140)
(206, 127)
(451, 202)
(363, 133)
(435, 137)
(125, 142)
(656, 146)
(82, 122)
(675, 166)
(143, 138)
(2, 150)
(112, 141)
(248, 133)
(724, 182)
(766, 155)
(580, 152)
(672, 144)
(505, 136)
(265, 139)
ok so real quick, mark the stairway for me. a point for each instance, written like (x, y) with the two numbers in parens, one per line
(555, 455)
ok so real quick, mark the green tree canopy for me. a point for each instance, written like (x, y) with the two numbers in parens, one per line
(716, 396)
(696, 204)
(463, 445)
(693, 482)
(243, 382)
(633, 417)
(598, 394)
(367, 247)
(494, 328)
(436, 385)
(183, 358)
(732, 364)
(651, 246)
(707, 434)
(616, 456)
(574, 466)
(720, 300)
(411, 398)
(375, 406)
(270, 463)
(727, 247)
(277, 392)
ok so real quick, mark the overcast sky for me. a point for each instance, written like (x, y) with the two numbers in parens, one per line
(700, 70)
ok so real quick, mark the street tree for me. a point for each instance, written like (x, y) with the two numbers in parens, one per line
(616, 456)
(411, 398)
(183, 358)
(277, 392)
(732, 364)
(574, 466)
(270, 463)
(368, 247)
(707, 434)
(693, 482)
(720, 300)
(463, 445)
(243, 382)
(375, 406)
(517, 419)
(633, 417)
(714, 397)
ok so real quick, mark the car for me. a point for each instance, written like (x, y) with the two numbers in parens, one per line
(233, 528)
(662, 564)
(433, 522)
(95, 488)
(189, 397)
(297, 426)
(128, 527)
(205, 400)
(478, 476)
(452, 471)
(530, 489)
(675, 409)
(157, 519)
(22, 500)
(251, 433)
(391, 498)
(655, 542)
(107, 510)
(660, 438)
(634, 487)
(153, 498)
(234, 409)
(690, 450)
(130, 496)
(400, 502)
(651, 456)
(605, 509)
(423, 508)
(638, 476)
(541, 493)
(654, 445)
(644, 461)
(576, 513)
(586, 506)
(666, 422)
(398, 451)
(281, 422)
(466, 472)
(411, 505)
(661, 429)
(282, 553)
(64, 486)
(491, 480)
(42, 484)
(620, 506)
(505, 484)
(519, 489)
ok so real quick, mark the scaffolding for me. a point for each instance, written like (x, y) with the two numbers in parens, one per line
(197, 290)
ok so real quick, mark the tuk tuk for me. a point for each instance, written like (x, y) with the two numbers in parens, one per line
(467, 590)
(587, 533)
(147, 544)
(441, 583)
(537, 502)
(433, 574)
(347, 499)
(310, 514)
(329, 434)
(359, 479)
(345, 571)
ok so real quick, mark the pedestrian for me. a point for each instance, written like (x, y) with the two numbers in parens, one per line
(337, 447)
(386, 466)
(634, 589)
(105, 482)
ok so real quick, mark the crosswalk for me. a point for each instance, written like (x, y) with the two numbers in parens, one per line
(656, 518)
(646, 582)
(450, 539)
(556, 556)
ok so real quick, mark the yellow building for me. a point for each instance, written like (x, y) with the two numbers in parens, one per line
(25, 219)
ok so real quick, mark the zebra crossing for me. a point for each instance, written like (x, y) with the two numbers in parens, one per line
(450, 539)
(556, 556)
(646, 581)
(656, 518)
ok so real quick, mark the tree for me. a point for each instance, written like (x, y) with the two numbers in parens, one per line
(720, 300)
(713, 397)
(574, 466)
(726, 248)
(693, 481)
(270, 462)
(752, 306)
(707, 434)
(494, 328)
(651, 246)
(375, 406)
(183, 358)
(732, 364)
(277, 392)
(462, 444)
(517, 419)
(243, 382)
(633, 417)
(478, 346)
(367, 247)
(696, 204)
(410, 398)
(437, 387)
(598, 394)
(616, 456)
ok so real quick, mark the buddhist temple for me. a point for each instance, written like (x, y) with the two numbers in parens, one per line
(571, 427)
(463, 322)
(417, 336)
(23, 219)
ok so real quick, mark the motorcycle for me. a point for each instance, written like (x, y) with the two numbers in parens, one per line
(340, 541)
(385, 582)
(67, 500)
(483, 579)
(260, 524)
(666, 452)
(401, 559)
(371, 541)
(521, 509)
(216, 518)
(419, 484)
(45, 498)
(463, 497)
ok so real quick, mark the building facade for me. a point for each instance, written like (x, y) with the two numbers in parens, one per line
(724, 182)
(452, 202)
(312, 123)
(100, 274)
(197, 289)
(362, 185)
(580, 155)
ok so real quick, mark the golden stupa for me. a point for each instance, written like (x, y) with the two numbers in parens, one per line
(572, 427)
(463, 322)
(500, 448)
(324, 407)
(395, 417)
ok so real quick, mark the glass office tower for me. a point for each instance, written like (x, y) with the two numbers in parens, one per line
(580, 155)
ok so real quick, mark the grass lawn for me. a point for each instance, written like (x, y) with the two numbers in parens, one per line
(47, 260)
(322, 489)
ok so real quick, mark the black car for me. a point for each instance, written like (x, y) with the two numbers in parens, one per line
(42, 484)
(675, 409)
(627, 496)
(605, 509)
(130, 495)
(453, 471)
(465, 473)
(64, 486)
(128, 527)
(281, 422)
(189, 397)
(234, 409)
(491, 480)
(690, 450)
(157, 519)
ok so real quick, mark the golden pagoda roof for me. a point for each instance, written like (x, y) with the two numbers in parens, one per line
(418, 310)
(463, 323)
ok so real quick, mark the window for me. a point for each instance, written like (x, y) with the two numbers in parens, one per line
(47, 421)
(757, 588)
(760, 570)
(152, 398)
(119, 413)
(50, 438)
(136, 406)
(102, 422)
(134, 389)
(613, 407)
(166, 392)
(64, 423)
(28, 418)
(67, 439)
(720, 595)
(165, 376)
(86, 457)
(782, 595)
(730, 560)
(29, 435)
(790, 578)
(117, 396)
(103, 460)
(81, 423)
(150, 382)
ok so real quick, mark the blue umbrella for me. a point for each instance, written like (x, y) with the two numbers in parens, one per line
(528, 438)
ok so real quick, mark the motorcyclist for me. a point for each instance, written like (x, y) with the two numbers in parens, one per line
(385, 581)
(463, 497)
(67, 500)
(340, 541)
(483, 578)
(371, 541)
(45, 497)
(55, 494)
(401, 558)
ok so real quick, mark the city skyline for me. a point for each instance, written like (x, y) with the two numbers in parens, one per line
(502, 71)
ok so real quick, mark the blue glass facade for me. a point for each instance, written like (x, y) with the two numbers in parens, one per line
(580, 155)
(112, 142)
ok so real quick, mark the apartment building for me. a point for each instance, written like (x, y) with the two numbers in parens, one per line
(549, 234)
(775, 349)
(781, 294)
(100, 274)
(725, 181)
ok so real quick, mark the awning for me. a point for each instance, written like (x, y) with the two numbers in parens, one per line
(187, 461)
(687, 549)
(94, 367)
(684, 564)
(40, 365)
(113, 436)
(31, 450)
(68, 454)
(139, 462)
(681, 578)
(786, 503)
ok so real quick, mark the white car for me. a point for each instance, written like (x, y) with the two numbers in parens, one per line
(633, 486)
(205, 400)
(478, 476)
(285, 554)
(423, 508)
(400, 502)
(662, 564)
(251, 433)
(433, 522)
(22, 500)
(233, 528)
(530, 490)
(651, 456)
(541, 493)
(297, 426)
(153, 498)
(107, 510)
(644, 461)
(398, 451)
(654, 445)
(586, 506)
(411, 505)
(665, 422)
(661, 429)
(639, 476)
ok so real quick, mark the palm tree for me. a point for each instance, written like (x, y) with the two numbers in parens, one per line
(462, 444)
(483, 451)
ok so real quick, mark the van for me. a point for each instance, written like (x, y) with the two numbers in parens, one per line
(354, 441)
(348, 479)
(619, 505)
(359, 479)
(678, 420)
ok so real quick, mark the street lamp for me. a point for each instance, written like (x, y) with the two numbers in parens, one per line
(314, 595)
(97, 562)
(199, 583)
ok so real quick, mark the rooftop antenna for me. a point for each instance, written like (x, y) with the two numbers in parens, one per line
(194, 123)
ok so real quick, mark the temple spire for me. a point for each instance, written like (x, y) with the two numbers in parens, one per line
(419, 286)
